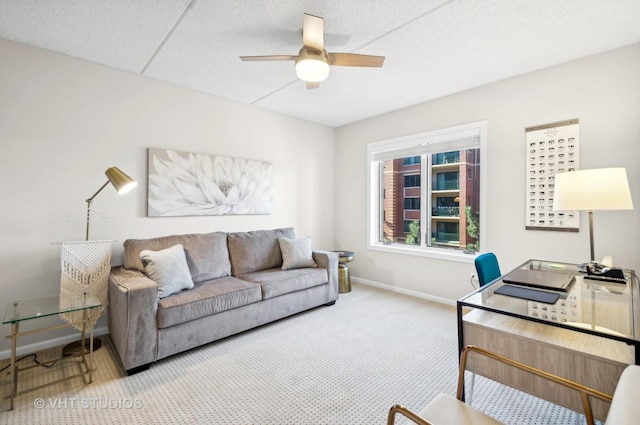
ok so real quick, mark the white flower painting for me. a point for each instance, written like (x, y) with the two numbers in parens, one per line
(188, 184)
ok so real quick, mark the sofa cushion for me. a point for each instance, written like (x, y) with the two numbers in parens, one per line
(275, 282)
(168, 268)
(256, 250)
(206, 298)
(207, 254)
(296, 253)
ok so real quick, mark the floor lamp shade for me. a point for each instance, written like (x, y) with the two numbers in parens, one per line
(602, 189)
(122, 182)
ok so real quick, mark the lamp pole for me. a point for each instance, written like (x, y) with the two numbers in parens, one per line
(89, 207)
(593, 257)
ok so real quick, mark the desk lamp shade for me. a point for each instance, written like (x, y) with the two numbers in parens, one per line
(592, 190)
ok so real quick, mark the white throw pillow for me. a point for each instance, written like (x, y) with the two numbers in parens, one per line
(168, 268)
(296, 253)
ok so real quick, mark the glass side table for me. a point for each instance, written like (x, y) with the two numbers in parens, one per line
(23, 310)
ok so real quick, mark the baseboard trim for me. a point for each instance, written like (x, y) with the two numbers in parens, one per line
(403, 291)
(49, 343)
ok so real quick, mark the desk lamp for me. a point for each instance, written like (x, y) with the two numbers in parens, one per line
(591, 190)
(86, 265)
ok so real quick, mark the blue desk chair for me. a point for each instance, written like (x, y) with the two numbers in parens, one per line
(487, 268)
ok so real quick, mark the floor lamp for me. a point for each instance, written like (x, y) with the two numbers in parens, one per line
(86, 265)
(592, 190)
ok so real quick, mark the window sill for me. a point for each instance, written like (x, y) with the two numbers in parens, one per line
(437, 253)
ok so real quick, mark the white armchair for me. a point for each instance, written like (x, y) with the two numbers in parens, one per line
(445, 409)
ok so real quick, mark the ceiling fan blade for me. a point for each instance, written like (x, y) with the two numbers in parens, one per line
(311, 85)
(268, 58)
(313, 32)
(352, 59)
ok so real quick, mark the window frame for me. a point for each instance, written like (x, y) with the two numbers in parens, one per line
(375, 192)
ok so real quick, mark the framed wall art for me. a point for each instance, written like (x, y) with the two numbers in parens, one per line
(191, 184)
(551, 149)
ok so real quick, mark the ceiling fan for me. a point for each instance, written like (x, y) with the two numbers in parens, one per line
(313, 62)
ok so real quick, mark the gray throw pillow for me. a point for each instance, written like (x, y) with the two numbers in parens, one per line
(168, 268)
(296, 253)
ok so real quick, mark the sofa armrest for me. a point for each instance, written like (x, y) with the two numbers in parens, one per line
(133, 303)
(329, 260)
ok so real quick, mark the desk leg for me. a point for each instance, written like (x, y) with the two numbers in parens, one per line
(460, 330)
(14, 366)
(460, 337)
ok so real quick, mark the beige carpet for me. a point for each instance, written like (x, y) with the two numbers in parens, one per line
(345, 364)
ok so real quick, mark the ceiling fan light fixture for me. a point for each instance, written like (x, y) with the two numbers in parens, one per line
(312, 65)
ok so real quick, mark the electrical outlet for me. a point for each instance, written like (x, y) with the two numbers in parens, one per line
(473, 280)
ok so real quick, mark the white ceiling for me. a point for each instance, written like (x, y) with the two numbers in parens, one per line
(433, 48)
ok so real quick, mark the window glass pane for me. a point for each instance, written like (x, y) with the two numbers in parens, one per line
(401, 202)
(455, 200)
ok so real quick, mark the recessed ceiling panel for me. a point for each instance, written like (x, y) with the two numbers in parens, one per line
(119, 33)
(433, 48)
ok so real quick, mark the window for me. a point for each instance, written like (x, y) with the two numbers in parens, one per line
(411, 160)
(412, 180)
(411, 203)
(437, 211)
(447, 181)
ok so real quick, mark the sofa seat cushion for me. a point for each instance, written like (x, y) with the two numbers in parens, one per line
(205, 299)
(275, 282)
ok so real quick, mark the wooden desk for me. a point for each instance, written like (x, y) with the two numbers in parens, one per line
(589, 336)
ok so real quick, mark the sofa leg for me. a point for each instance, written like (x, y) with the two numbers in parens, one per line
(135, 370)
(331, 303)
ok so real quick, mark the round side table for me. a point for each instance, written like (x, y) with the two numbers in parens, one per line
(344, 281)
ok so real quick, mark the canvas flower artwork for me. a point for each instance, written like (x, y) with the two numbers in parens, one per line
(190, 184)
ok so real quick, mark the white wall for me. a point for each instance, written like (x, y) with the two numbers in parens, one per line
(63, 122)
(602, 91)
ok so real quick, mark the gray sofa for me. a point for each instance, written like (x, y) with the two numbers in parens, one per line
(239, 281)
